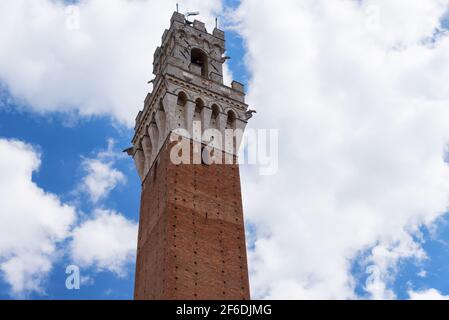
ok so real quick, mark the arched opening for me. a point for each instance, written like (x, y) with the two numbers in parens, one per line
(230, 121)
(214, 116)
(199, 105)
(182, 99)
(215, 111)
(200, 61)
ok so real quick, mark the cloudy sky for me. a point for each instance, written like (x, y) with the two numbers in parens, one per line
(358, 90)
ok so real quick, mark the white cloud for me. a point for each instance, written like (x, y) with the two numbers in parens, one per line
(34, 224)
(101, 177)
(422, 273)
(32, 221)
(108, 241)
(102, 67)
(358, 93)
(429, 294)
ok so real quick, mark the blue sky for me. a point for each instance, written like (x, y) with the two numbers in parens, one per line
(66, 138)
(62, 147)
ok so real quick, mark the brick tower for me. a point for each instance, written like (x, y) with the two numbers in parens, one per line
(191, 234)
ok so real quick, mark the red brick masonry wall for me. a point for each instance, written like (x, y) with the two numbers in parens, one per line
(191, 234)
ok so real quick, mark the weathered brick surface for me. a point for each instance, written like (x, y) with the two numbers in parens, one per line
(191, 233)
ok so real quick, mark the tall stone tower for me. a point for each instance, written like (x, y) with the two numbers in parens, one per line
(191, 235)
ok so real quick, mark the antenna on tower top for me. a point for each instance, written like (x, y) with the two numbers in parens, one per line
(177, 7)
(216, 22)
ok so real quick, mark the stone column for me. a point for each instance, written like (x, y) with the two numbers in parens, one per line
(139, 160)
(189, 111)
(221, 123)
(206, 115)
(153, 132)
(161, 124)
(169, 103)
(147, 151)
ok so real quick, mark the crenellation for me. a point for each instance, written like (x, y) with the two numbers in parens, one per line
(219, 34)
(177, 17)
(238, 86)
(198, 25)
